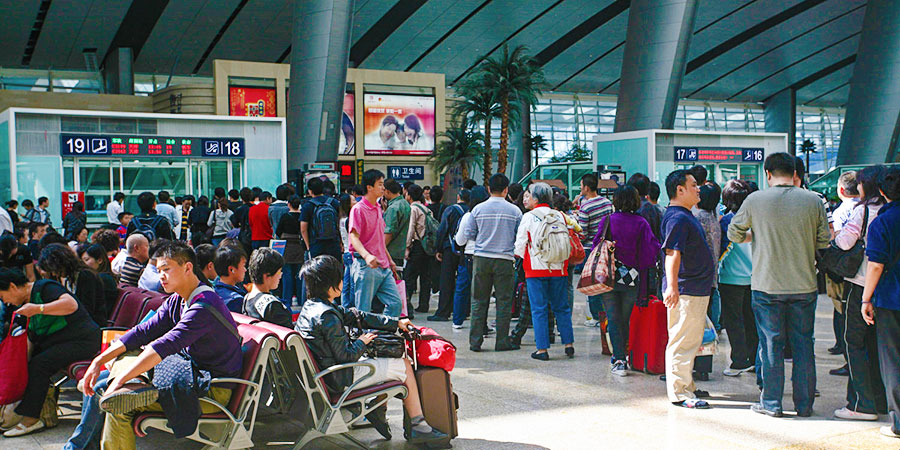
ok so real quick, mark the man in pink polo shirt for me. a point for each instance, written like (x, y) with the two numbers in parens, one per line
(373, 270)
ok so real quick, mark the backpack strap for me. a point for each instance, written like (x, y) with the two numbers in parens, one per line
(212, 310)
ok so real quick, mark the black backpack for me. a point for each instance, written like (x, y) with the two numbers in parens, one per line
(147, 226)
(325, 220)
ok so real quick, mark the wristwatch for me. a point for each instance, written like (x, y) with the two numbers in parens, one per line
(42, 308)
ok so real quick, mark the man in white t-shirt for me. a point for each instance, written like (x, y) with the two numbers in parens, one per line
(115, 207)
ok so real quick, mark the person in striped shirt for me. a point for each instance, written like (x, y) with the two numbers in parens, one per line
(138, 249)
(592, 208)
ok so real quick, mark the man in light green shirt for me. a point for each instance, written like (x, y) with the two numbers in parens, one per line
(396, 219)
(786, 225)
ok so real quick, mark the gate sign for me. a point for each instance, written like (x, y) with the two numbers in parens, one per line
(69, 199)
(406, 173)
(719, 154)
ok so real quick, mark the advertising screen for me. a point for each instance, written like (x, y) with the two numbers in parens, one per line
(348, 126)
(399, 124)
(251, 101)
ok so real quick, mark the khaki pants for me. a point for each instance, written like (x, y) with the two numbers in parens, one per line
(686, 322)
(118, 433)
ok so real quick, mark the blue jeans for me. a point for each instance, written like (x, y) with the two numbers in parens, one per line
(347, 291)
(369, 283)
(291, 285)
(88, 430)
(595, 306)
(618, 305)
(544, 292)
(462, 297)
(715, 309)
(780, 319)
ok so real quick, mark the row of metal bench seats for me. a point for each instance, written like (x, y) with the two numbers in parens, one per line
(276, 357)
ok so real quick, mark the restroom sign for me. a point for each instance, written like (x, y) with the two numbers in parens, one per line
(69, 199)
(406, 173)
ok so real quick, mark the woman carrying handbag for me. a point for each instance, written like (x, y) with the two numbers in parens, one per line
(635, 255)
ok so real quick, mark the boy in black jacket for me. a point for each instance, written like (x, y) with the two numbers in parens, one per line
(265, 273)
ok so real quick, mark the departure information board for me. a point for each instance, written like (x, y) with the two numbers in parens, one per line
(117, 146)
(718, 154)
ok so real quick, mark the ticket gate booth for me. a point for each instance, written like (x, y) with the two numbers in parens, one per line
(726, 155)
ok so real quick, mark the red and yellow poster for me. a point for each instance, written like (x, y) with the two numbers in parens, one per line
(251, 101)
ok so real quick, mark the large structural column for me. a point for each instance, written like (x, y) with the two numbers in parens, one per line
(656, 48)
(118, 71)
(520, 163)
(781, 116)
(871, 128)
(320, 49)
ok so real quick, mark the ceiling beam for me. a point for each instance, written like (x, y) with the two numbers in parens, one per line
(812, 78)
(447, 34)
(522, 28)
(750, 33)
(386, 25)
(830, 91)
(594, 61)
(767, 77)
(136, 26)
(728, 14)
(756, 58)
(215, 40)
(583, 29)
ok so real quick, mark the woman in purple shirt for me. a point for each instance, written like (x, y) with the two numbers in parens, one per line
(636, 250)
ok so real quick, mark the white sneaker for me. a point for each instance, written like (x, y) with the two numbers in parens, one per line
(887, 431)
(592, 323)
(729, 372)
(619, 369)
(457, 327)
(22, 430)
(847, 414)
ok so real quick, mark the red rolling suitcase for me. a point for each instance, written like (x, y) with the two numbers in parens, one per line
(647, 336)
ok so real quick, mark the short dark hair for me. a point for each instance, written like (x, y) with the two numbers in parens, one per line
(734, 193)
(640, 182)
(257, 191)
(436, 194)
(118, 196)
(234, 194)
(219, 192)
(392, 185)
(561, 202)
(590, 181)
(675, 179)
(9, 277)
(315, 186)
(415, 193)
(780, 164)
(34, 226)
(408, 184)
(653, 192)
(228, 256)
(294, 201)
(52, 238)
(889, 183)
(328, 187)
(469, 183)
(109, 239)
(478, 195)
(321, 274)
(284, 191)
(265, 195)
(514, 191)
(246, 195)
(498, 183)
(358, 189)
(206, 254)
(709, 197)
(146, 201)
(27, 203)
(264, 261)
(626, 199)
(180, 252)
(464, 195)
(700, 173)
(163, 196)
(370, 177)
(42, 200)
(800, 168)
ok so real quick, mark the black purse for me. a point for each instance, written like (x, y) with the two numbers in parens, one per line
(387, 344)
(845, 263)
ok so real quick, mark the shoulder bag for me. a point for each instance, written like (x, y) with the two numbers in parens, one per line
(13, 364)
(598, 274)
(845, 263)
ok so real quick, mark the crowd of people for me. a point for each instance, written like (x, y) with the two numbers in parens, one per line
(740, 258)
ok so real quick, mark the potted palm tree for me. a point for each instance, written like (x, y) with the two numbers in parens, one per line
(461, 149)
(512, 78)
(478, 105)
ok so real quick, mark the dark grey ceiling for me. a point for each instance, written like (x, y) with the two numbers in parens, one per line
(742, 50)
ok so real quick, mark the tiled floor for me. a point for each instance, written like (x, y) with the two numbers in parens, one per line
(509, 401)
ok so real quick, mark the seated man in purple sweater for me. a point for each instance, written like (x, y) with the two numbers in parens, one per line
(194, 319)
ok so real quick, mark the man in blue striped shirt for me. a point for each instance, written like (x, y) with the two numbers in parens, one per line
(493, 229)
